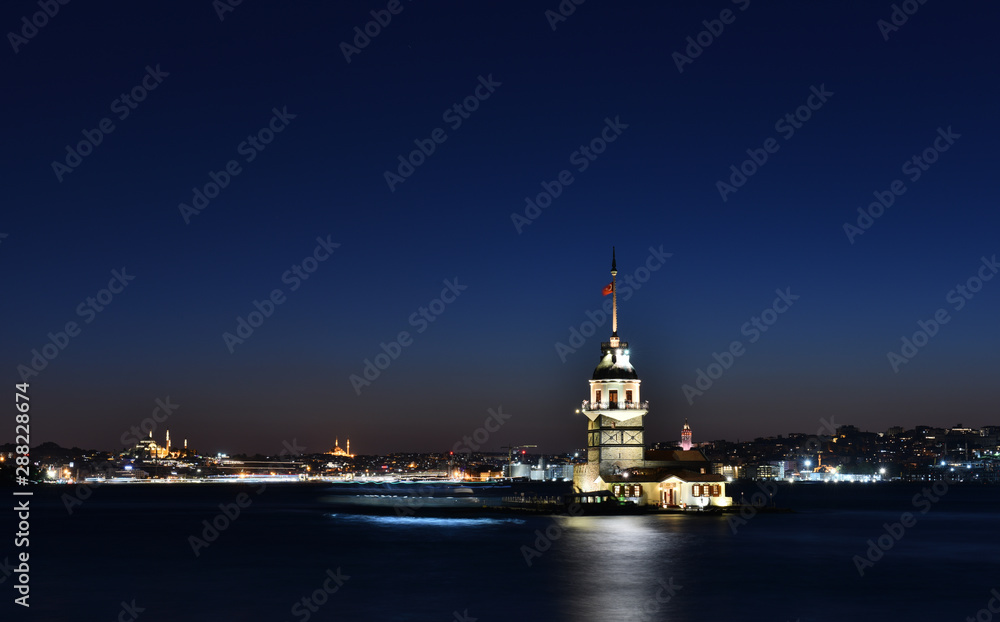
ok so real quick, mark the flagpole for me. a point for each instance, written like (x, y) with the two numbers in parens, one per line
(614, 297)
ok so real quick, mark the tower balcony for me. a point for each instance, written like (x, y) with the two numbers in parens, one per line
(590, 405)
(615, 410)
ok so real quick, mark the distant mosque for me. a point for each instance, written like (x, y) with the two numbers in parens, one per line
(617, 458)
(337, 451)
(148, 448)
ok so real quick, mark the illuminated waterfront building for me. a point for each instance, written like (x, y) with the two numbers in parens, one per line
(617, 459)
(615, 431)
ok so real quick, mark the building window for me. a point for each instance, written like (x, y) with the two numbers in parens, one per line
(612, 399)
(627, 490)
(628, 397)
(706, 490)
(598, 398)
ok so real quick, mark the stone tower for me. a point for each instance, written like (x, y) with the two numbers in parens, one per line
(615, 432)
(686, 436)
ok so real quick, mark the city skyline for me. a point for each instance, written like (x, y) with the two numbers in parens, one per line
(468, 443)
(249, 228)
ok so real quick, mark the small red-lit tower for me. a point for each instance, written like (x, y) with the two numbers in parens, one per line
(686, 436)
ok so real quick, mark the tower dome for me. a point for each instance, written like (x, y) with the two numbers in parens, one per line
(614, 365)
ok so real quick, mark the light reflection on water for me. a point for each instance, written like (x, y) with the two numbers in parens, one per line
(616, 565)
(414, 521)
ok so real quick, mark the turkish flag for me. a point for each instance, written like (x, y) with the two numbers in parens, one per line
(608, 289)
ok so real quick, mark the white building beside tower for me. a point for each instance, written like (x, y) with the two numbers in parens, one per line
(617, 460)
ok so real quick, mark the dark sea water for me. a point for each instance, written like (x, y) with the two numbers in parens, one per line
(129, 543)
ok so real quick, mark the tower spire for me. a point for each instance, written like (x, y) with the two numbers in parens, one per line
(614, 298)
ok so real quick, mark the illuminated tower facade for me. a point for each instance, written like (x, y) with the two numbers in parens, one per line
(615, 432)
(686, 436)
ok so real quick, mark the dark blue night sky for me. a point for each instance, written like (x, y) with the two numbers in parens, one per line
(501, 104)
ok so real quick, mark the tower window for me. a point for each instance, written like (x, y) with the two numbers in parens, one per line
(612, 399)
(598, 396)
(628, 397)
